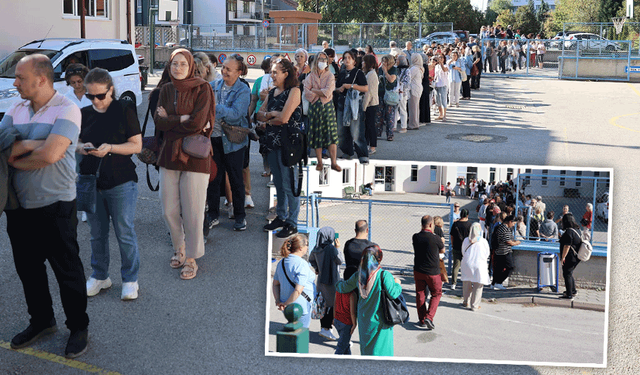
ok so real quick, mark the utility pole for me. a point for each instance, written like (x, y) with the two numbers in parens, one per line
(129, 21)
(420, 23)
(82, 23)
(153, 10)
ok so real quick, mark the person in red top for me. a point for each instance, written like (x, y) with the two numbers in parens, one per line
(587, 218)
(345, 320)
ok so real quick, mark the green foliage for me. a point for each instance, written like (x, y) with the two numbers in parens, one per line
(356, 11)
(506, 18)
(490, 17)
(526, 19)
(571, 11)
(543, 13)
(460, 12)
(609, 9)
(499, 6)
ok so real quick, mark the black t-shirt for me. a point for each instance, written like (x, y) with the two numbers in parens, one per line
(572, 238)
(503, 235)
(354, 76)
(426, 249)
(352, 253)
(115, 126)
(459, 231)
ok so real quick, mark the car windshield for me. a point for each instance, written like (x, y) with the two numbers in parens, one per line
(8, 65)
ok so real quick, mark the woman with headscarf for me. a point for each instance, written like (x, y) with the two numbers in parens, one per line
(475, 274)
(325, 261)
(376, 337)
(185, 108)
(425, 105)
(323, 128)
(404, 89)
(416, 71)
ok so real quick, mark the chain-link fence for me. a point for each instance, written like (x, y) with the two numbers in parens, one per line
(576, 191)
(163, 35)
(288, 37)
(391, 223)
(603, 31)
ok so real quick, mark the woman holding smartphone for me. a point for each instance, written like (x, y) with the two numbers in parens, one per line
(109, 135)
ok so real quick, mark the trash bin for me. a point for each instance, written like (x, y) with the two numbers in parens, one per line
(144, 72)
(548, 270)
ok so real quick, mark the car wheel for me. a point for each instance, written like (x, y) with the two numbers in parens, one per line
(610, 48)
(129, 96)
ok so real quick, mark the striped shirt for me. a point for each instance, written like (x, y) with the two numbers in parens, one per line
(56, 182)
(504, 234)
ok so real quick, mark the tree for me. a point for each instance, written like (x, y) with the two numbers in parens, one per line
(506, 18)
(499, 6)
(460, 12)
(356, 11)
(526, 19)
(572, 11)
(542, 14)
(609, 9)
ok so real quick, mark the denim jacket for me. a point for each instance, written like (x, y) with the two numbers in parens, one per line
(233, 110)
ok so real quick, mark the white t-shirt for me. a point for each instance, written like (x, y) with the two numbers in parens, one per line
(80, 103)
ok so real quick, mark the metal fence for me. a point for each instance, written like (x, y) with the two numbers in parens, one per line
(606, 30)
(291, 36)
(391, 223)
(575, 191)
(163, 35)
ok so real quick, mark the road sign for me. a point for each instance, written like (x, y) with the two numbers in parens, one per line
(221, 58)
(632, 69)
(267, 57)
(251, 59)
(265, 23)
(286, 56)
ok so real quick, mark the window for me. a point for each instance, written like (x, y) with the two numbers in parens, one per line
(111, 59)
(492, 174)
(562, 180)
(246, 7)
(544, 178)
(414, 173)
(433, 173)
(578, 179)
(232, 5)
(527, 178)
(324, 176)
(92, 8)
(346, 173)
(509, 173)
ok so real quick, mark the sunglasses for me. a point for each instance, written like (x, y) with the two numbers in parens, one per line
(98, 96)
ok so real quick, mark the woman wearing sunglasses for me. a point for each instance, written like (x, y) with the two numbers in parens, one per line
(185, 108)
(109, 135)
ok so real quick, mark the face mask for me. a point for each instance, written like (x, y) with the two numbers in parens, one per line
(322, 65)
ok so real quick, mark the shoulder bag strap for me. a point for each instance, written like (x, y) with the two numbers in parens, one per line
(291, 282)
(144, 130)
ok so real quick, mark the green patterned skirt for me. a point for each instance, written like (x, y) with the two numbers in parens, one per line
(323, 128)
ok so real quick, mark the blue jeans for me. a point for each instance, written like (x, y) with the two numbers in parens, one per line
(288, 206)
(344, 331)
(352, 136)
(119, 204)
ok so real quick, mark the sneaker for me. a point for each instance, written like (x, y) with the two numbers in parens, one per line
(499, 287)
(230, 210)
(32, 334)
(453, 286)
(209, 223)
(327, 334)
(421, 325)
(77, 344)
(276, 223)
(248, 202)
(429, 323)
(240, 226)
(364, 161)
(287, 231)
(129, 291)
(94, 286)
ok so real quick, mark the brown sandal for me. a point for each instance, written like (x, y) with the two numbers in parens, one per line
(178, 259)
(319, 167)
(189, 270)
(336, 167)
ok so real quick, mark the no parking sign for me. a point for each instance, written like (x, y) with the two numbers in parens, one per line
(221, 58)
(251, 59)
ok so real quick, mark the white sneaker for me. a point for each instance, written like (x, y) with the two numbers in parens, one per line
(94, 286)
(499, 287)
(129, 291)
(230, 210)
(248, 202)
(453, 286)
(327, 334)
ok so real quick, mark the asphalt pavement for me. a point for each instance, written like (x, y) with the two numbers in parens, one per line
(217, 323)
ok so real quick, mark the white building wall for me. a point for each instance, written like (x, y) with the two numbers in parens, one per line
(26, 20)
(207, 12)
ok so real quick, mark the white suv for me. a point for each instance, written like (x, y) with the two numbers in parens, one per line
(116, 56)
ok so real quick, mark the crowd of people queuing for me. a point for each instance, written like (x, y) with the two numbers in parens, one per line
(506, 49)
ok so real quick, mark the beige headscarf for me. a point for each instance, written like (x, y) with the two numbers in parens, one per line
(416, 60)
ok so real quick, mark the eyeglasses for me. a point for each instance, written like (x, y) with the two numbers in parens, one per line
(98, 96)
(75, 71)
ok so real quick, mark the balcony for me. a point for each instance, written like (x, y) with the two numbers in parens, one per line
(239, 16)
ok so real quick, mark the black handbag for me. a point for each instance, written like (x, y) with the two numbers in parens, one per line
(87, 191)
(394, 310)
(294, 151)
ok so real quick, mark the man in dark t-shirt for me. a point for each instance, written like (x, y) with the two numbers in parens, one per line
(503, 257)
(354, 247)
(427, 248)
(459, 231)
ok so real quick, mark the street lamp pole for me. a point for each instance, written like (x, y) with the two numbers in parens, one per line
(420, 21)
(153, 10)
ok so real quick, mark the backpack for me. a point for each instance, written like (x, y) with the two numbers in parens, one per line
(294, 151)
(585, 249)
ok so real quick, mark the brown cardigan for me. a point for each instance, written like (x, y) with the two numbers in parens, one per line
(174, 130)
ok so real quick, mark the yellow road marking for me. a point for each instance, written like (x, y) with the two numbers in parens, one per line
(634, 89)
(613, 122)
(58, 359)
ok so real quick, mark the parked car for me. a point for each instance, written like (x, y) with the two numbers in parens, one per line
(462, 34)
(590, 41)
(116, 56)
(438, 37)
(602, 207)
(556, 43)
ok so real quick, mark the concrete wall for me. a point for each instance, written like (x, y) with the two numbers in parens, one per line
(592, 274)
(40, 16)
(598, 68)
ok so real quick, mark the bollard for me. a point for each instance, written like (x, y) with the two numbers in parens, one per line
(293, 338)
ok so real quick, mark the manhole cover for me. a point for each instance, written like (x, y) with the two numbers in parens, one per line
(477, 138)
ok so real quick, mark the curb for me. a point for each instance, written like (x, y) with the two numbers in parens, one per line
(553, 302)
